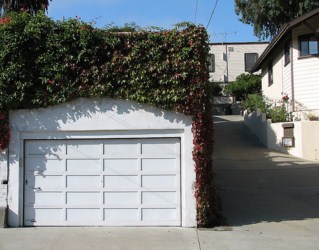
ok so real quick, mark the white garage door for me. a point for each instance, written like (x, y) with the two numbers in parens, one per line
(105, 182)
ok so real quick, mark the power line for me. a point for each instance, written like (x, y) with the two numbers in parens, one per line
(196, 11)
(212, 14)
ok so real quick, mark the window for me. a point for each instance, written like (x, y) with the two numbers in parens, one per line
(211, 67)
(308, 45)
(250, 60)
(287, 53)
(270, 74)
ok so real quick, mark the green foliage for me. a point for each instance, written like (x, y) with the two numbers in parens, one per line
(255, 101)
(127, 27)
(267, 16)
(30, 6)
(216, 88)
(43, 62)
(244, 85)
(278, 113)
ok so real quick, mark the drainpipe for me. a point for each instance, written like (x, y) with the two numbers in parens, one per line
(227, 63)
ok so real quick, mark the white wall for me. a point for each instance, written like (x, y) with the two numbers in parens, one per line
(274, 91)
(270, 134)
(98, 118)
(235, 58)
(3, 177)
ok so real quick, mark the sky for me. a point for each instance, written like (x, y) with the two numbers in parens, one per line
(224, 26)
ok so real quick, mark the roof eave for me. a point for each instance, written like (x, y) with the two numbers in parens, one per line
(281, 34)
(283, 31)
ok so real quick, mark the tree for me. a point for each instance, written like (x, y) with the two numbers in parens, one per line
(267, 16)
(244, 85)
(30, 6)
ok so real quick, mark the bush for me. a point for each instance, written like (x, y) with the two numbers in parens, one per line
(216, 89)
(277, 113)
(255, 101)
(244, 85)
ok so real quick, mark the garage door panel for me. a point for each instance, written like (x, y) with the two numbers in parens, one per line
(42, 164)
(103, 182)
(121, 166)
(121, 147)
(163, 198)
(55, 215)
(83, 199)
(49, 148)
(163, 181)
(83, 182)
(159, 165)
(123, 214)
(44, 198)
(159, 214)
(87, 216)
(159, 146)
(83, 165)
(121, 198)
(123, 182)
(84, 149)
(46, 182)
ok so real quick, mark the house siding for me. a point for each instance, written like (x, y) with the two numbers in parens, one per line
(286, 78)
(230, 59)
(306, 73)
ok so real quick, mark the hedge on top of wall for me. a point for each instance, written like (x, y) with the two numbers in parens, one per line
(45, 62)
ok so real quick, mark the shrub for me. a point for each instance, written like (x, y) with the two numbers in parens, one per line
(254, 101)
(278, 113)
(312, 117)
(216, 89)
(273, 111)
(244, 85)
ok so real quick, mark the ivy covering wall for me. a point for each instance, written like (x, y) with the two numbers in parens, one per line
(45, 62)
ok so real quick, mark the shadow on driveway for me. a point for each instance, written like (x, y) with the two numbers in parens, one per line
(260, 185)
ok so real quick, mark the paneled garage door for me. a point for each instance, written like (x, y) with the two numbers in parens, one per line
(104, 182)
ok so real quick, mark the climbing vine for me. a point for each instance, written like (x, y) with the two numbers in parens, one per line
(45, 62)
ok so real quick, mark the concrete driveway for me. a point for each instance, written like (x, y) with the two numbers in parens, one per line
(270, 195)
(270, 201)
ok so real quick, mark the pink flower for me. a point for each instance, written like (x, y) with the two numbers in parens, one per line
(285, 98)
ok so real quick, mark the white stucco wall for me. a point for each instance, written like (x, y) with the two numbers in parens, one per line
(306, 135)
(98, 118)
(3, 177)
(274, 91)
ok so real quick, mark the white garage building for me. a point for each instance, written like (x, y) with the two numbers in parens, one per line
(99, 162)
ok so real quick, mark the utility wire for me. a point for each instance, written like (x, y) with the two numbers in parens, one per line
(212, 14)
(196, 11)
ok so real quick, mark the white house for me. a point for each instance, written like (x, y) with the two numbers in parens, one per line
(290, 65)
(229, 60)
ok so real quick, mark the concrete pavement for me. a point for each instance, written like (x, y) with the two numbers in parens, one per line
(270, 201)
